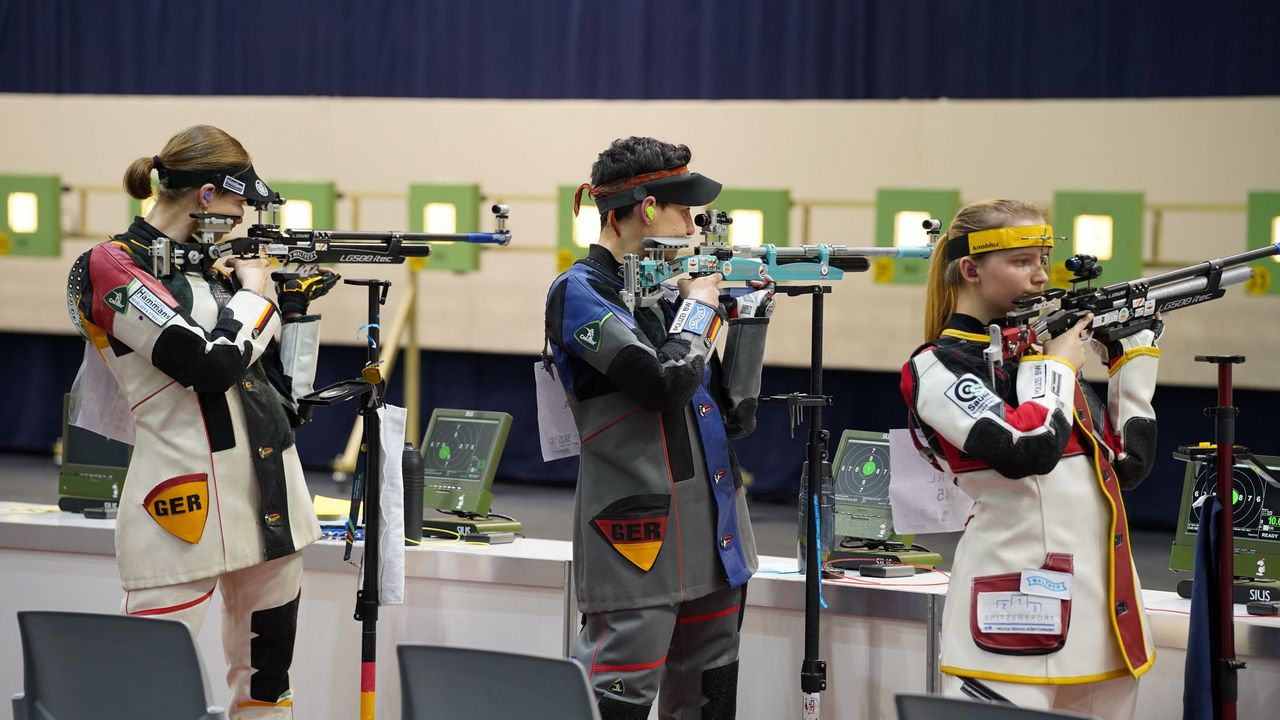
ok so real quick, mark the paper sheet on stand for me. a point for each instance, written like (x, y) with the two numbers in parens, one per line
(924, 500)
(391, 505)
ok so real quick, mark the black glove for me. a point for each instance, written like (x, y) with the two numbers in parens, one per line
(295, 292)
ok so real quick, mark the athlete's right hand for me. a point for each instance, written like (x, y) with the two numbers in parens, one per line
(1071, 344)
(703, 289)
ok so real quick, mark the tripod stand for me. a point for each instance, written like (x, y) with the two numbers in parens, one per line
(1225, 454)
(371, 388)
(817, 475)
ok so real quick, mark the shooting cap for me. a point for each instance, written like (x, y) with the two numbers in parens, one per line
(1005, 238)
(243, 181)
(674, 185)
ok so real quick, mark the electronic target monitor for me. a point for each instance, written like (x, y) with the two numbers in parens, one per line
(93, 467)
(861, 486)
(1255, 515)
(460, 454)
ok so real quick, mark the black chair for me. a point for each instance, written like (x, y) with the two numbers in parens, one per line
(85, 666)
(936, 707)
(447, 682)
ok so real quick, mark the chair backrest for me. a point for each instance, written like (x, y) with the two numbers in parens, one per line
(935, 707)
(442, 682)
(82, 665)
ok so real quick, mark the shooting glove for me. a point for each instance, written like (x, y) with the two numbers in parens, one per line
(295, 292)
(1112, 352)
(757, 304)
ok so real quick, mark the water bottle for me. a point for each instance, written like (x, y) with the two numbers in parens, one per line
(412, 470)
(826, 518)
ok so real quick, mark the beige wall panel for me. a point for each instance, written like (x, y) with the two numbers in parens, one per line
(1205, 151)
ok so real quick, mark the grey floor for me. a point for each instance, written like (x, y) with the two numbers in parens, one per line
(546, 512)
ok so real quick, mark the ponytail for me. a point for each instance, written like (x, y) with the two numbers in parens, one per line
(942, 288)
(137, 179)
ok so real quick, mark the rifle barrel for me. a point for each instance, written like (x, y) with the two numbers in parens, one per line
(1230, 276)
(812, 251)
(1201, 269)
(496, 238)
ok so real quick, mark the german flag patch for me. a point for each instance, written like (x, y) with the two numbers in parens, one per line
(635, 527)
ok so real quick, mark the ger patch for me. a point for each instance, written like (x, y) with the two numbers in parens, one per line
(589, 335)
(180, 505)
(635, 527)
(972, 396)
(141, 297)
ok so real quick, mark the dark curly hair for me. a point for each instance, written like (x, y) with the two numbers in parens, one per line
(634, 156)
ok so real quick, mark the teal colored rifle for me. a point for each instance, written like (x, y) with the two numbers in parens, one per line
(713, 253)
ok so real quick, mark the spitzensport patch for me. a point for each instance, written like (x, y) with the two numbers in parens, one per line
(972, 396)
(180, 505)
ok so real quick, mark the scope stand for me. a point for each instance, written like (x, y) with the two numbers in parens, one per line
(370, 386)
(816, 474)
(1225, 452)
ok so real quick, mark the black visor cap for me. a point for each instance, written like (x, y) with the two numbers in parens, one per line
(241, 181)
(692, 189)
(252, 188)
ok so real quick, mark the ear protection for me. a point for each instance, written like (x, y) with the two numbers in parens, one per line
(649, 212)
(207, 196)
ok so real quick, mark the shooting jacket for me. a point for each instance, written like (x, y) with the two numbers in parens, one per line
(1044, 460)
(660, 514)
(214, 484)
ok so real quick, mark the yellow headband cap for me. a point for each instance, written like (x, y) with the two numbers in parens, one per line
(1005, 238)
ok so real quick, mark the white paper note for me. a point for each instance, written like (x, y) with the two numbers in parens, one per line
(924, 499)
(556, 429)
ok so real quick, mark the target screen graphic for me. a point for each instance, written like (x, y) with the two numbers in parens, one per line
(862, 476)
(459, 449)
(1255, 505)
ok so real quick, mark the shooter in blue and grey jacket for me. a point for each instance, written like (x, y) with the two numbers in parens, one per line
(663, 546)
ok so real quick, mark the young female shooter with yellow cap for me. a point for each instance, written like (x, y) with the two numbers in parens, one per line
(1044, 608)
(215, 494)
(662, 543)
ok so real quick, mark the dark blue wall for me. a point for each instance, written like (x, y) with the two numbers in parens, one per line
(658, 49)
(41, 367)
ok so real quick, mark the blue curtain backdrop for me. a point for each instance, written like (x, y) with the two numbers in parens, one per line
(659, 49)
(41, 368)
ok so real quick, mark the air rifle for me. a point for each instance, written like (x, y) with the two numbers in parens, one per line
(1122, 309)
(713, 253)
(307, 247)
